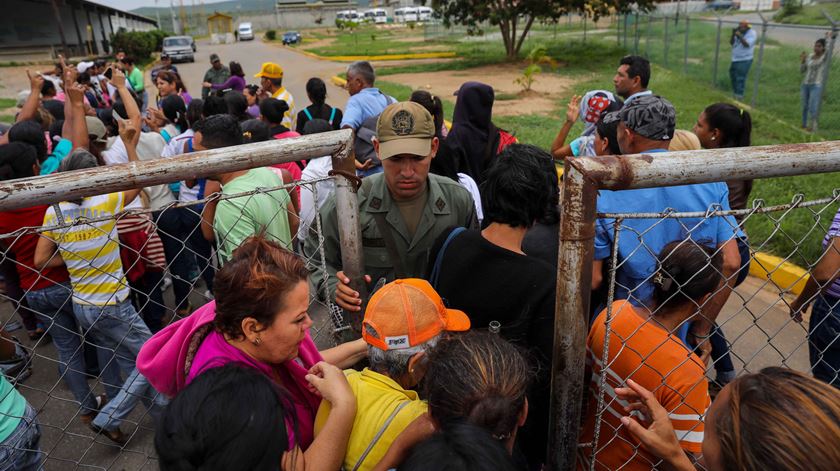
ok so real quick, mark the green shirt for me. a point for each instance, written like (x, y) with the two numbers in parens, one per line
(12, 407)
(238, 218)
(214, 76)
(136, 79)
(447, 204)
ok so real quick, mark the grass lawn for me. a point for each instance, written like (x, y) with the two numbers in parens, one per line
(7, 103)
(811, 15)
(594, 64)
(779, 87)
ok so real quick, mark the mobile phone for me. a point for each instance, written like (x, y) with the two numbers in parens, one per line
(109, 73)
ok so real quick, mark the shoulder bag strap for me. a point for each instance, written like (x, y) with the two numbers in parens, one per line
(308, 115)
(379, 434)
(433, 279)
(390, 244)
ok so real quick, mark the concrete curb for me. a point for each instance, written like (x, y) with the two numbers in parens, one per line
(381, 57)
(787, 276)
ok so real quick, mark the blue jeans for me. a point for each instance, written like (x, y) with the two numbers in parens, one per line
(54, 307)
(738, 75)
(824, 339)
(119, 329)
(20, 451)
(810, 102)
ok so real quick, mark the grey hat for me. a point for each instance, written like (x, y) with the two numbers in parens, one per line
(650, 116)
(214, 57)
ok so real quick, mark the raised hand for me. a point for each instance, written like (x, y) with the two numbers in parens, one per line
(117, 78)
(573, 109)
(36, 81)
(75, 93)
(129, 132)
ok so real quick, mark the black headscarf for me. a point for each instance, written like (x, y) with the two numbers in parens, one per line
(473, 141)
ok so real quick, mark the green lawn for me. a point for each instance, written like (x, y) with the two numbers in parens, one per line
(594, 63)
(811, 15)
(7, 103)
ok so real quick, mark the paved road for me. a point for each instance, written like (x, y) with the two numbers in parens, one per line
(297, 68)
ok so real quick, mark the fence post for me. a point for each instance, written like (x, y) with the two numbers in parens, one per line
(685, 53)
(636, 34)
(584, 27)
(574, 279)
(618, 31)
(626, 18)
(350, 237)
(665, 59)
(647, 35)
(827, 72)
(760, 57)
(717, 51)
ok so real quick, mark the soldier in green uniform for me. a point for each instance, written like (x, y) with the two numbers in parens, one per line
(402, 210)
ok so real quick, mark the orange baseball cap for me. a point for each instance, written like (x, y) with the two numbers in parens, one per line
(406, 313)
(270, 70)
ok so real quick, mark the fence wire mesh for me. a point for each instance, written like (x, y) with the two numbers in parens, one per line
(651, 287)
(157, 266)
(701, 48)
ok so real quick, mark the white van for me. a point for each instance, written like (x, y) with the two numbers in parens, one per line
(424, 13)
(376, 15)
(410, 14)
(347, 15)
(246, 32)
(399, 15)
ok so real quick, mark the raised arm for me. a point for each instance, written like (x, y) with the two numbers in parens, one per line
(75, 95)
(559, 148)
(30, 107)
(824, 273)
(131, 109)
(130, 135)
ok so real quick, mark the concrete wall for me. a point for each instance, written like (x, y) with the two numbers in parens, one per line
(30, 27)
(684, 7)
(298, 17)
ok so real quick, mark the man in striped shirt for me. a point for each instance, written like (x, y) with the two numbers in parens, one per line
(271, 83)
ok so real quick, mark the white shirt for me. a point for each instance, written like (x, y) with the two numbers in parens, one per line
(177, 146)
(467, 182)
(309, 205)
(149, 147)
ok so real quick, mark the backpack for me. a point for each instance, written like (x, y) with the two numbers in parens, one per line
(363, 142)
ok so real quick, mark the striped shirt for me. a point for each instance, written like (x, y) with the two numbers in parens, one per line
(91, 250)
(833, 231)
(642, 350)
(289, 117)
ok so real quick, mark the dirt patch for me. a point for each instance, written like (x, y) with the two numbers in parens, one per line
(541, 99)
(317, 43)
(14, 79)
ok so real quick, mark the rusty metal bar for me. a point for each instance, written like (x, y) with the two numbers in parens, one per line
(27, 192)
(350, 235)
(682, 168)
(574, 281)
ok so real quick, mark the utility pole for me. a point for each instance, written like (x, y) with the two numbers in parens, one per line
(157, 12)
(172, 15)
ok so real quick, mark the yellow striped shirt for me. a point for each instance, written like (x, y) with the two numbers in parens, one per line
(289, 116)
(91, 250)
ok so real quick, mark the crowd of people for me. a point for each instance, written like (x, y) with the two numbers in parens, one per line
(459, 232)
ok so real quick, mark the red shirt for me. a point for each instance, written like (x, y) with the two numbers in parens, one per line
(23, 247)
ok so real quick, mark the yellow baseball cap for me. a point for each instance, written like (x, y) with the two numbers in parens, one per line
(270, 70)
(405, 128)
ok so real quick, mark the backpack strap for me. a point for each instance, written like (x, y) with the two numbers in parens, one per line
(379, 435)
(166, 136)
(308, 114)
(433, 279)
(332, 116)
(390, 244)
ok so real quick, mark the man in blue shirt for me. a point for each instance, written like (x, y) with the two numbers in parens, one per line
(647, 126)
(366, 101)
(743, 45)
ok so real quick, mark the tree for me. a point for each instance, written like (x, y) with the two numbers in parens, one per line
(507, 14)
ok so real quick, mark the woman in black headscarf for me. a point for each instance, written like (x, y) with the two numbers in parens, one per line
(473, 142)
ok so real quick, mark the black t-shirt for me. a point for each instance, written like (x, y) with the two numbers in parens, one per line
(490, 283)
(319, 112)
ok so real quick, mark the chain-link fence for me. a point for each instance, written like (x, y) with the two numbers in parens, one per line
(133, 271)
(774, 79)
(676, 311)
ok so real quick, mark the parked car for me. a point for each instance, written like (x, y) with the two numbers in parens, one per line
(291, 37)
(179, 48)
(246, 32)
(720, 5)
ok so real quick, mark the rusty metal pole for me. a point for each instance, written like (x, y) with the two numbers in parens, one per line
(350, 237)
(574, 278)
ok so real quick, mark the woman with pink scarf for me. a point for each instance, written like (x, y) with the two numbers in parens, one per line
(259, 320)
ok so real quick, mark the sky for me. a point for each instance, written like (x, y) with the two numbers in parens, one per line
(132, 4)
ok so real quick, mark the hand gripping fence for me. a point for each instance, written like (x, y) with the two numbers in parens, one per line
(167, 254)
(754, 327)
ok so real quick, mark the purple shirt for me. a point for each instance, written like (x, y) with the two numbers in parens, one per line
(833, 231)
(235, 82)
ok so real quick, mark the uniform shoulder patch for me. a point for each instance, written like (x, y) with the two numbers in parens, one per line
(440, 204)
(375, 203)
